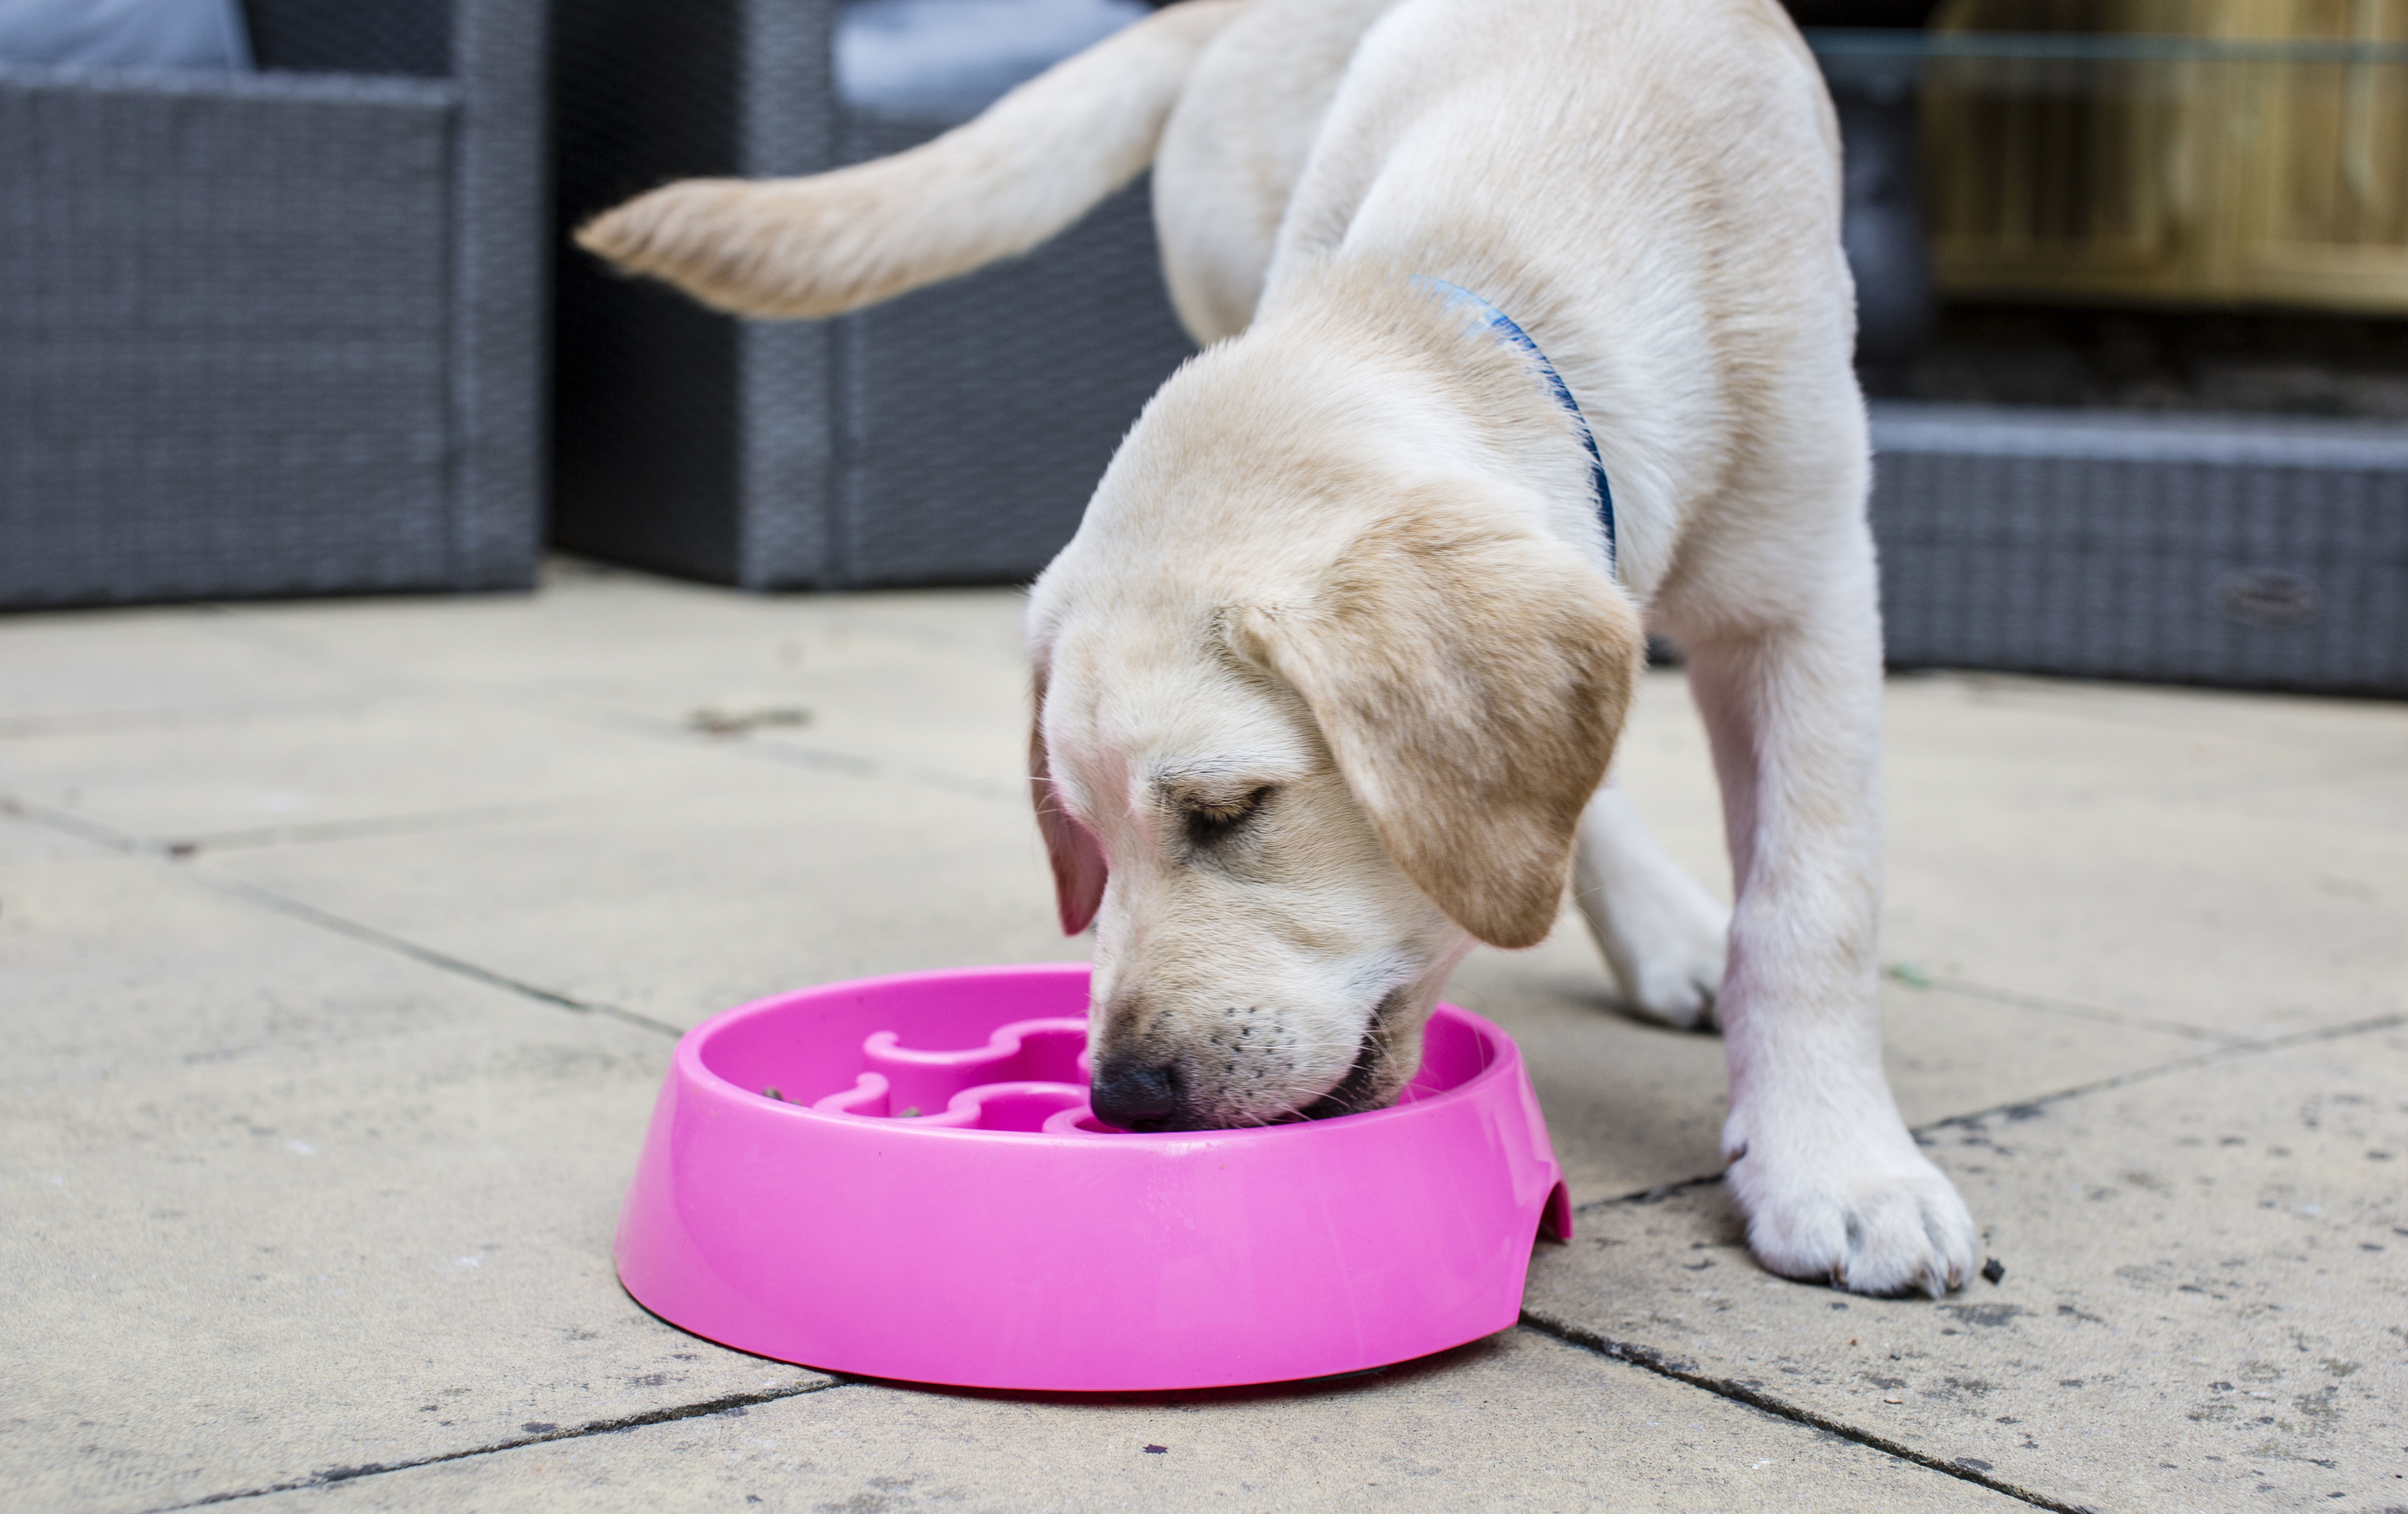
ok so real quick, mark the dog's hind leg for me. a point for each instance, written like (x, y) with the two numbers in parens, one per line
(1032, 163)
(1660, 931)
(1832, 1184)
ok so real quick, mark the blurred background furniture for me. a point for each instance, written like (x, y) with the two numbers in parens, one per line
(2257, 551)
(2171, 151)
(949, 436)
(2215, 161)
(1869, 50)
(281, 332)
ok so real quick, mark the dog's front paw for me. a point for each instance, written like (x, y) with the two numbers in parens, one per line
(1665, 937)
(1871, 1216)
(1675, 983)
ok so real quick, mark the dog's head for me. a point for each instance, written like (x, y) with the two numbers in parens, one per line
(1295, 755)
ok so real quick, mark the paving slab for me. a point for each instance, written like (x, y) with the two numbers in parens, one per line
(2229, 863)
(1632, 1105)
(2168, 785)
(596, 631)
(307, 1183)
(1516, 1422)
(274, 1202)
(125, 669)
(956, 720)
(2204, 1303)
(456, 709)
(281, 774)
(23, 841)
(932, 677)
(2345, 731)
(773, 878)
(2121, 849)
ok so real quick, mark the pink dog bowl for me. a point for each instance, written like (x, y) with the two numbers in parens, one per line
(1000, 1237)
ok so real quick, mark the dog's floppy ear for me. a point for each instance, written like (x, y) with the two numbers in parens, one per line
(1471, 680)
(1078, 866)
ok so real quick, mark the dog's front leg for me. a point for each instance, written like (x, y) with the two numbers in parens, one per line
(1822, 1165)
(1661, 932)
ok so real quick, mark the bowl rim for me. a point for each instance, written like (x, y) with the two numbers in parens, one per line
(1504, 1055)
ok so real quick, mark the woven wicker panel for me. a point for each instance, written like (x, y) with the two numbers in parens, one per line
(645, 446)
(501, 226)
(352, 36)
(788, 383)
(949, 436)
(223, 338)
(2243, 553)
(984, 411)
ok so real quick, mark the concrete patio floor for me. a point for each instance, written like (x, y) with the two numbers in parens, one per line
(342, 945)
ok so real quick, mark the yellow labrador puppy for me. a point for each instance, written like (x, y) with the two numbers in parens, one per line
(1330, 677)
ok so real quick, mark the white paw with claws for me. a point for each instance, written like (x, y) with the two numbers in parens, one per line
(1663, 934)
(1870, 1215)
(1673, 978)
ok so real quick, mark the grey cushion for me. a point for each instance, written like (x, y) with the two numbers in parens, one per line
(125, 34)
(951, 58)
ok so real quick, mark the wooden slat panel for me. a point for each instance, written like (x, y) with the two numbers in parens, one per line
(2173, 180)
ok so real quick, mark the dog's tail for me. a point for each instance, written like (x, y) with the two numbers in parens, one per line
(1032, 163)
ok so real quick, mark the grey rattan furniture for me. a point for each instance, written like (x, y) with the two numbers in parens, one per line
(278, 332)
(2243, 551)
(1875, 89)
(949, 436)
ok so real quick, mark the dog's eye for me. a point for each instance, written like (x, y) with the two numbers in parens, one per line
(1215, 821)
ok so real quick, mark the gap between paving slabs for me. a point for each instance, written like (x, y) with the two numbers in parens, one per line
(250, 893)
(2046, 1004)
(1635, 1353)
(1668, 1365)
(333, 1475)
(1652, 1360)
(233, 624)
(2226, 1050)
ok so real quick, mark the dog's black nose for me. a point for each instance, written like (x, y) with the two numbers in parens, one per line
(1138, 1095)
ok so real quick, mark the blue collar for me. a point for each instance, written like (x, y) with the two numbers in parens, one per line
(1502, 326)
